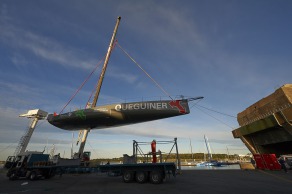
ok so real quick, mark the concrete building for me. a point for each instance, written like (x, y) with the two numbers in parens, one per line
(266, 126)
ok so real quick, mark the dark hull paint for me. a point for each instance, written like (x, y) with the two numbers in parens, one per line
(119, 114)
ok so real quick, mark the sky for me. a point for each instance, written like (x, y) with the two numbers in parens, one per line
(231, 52)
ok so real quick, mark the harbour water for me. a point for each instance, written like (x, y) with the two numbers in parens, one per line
(225, 167)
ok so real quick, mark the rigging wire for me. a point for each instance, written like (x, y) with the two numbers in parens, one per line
(213, 110)
(113, 47)
(80, 87)
(3, 149)
(196, 101)
(41, 122)
(213, 117)
(144, 71)
(92, 148)
(93, 90)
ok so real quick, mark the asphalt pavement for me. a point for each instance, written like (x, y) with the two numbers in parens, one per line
(190, 181)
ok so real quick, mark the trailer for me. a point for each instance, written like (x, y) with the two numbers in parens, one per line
(151, 166)
(141, 173)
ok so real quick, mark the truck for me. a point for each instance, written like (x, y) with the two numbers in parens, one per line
(31, 165)
(36, 165)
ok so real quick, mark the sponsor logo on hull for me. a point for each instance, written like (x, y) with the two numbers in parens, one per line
(141, 106)
(152, 105)
(176, 103)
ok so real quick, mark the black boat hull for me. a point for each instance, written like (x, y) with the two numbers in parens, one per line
(115, 115)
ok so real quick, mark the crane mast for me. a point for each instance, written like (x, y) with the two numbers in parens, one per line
(98, 87)
(35, 116)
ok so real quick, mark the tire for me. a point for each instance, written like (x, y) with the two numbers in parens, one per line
(141, 177)
(52, 173)
(49, 174)
(13, 176)
(128, 176)
(33, 176)
(27, 174)
(156, 177)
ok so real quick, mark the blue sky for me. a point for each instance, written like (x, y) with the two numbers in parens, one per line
(231, 52)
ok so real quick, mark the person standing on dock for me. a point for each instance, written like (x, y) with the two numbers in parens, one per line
(252, 161)
(283, 164)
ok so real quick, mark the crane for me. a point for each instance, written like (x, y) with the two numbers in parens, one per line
(35, 115)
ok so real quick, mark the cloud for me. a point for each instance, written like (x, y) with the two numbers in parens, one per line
(54, 51)
(11, 126)
(19, 61)
(45, 47)
(121, 75)
(166, 128)
(29, 96)
(19, 88)
(167, 24)
(3, 12)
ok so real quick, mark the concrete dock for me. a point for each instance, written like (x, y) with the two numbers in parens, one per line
(190, 181)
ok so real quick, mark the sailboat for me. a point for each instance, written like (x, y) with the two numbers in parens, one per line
(115, 115)
(210, 162)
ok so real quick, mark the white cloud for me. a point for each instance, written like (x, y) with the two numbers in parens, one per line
(165, 24)
(121, 75)
(19, 88)
(52, 50)
(45, 47)
(165, 128)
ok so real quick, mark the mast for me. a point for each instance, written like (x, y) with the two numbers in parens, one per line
(105, 64)
(191, 149)
(208, 148)
(86, 131)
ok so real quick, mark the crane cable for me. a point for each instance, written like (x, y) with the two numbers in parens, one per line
(164, 91)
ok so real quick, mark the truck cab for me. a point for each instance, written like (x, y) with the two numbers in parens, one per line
(85, 160)
(19, 160)
(23, 165)
(9, 162)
